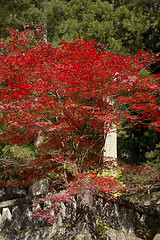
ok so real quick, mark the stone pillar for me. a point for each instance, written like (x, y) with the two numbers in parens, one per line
(110, 146)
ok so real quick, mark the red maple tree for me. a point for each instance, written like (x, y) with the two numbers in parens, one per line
(59, 93)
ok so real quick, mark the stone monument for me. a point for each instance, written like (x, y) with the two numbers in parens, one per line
(110, 146)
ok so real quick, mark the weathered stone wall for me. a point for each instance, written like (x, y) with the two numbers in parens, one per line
(87, 218)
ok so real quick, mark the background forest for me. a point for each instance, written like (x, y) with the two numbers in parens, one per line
(125, 26)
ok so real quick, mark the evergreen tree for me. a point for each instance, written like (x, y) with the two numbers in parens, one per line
(124, 25)
(17, 13)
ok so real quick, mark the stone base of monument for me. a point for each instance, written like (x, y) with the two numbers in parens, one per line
(87, 218)
(60, 233)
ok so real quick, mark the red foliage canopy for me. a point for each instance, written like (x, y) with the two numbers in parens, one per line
(63, 94)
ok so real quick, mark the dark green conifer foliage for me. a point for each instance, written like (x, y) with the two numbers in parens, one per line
(17, 13)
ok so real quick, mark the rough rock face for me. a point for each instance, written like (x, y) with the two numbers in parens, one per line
(87, 218)
(38, 188)
(12, 192)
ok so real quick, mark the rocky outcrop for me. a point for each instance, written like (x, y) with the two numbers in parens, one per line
(86, 218)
